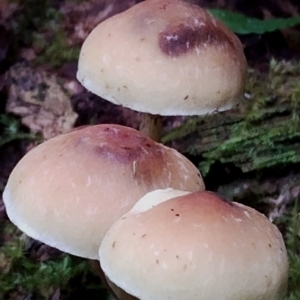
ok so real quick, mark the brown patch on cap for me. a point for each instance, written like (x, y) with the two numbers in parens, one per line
(119, 144)
(177, 40)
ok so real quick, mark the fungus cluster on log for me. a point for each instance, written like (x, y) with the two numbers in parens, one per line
(161, 236)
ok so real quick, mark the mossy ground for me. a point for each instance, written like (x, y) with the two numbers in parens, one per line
(31, 270)
(40, 26)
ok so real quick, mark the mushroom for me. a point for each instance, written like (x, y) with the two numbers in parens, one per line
(180, 245)
(164, 57)
(69, 190)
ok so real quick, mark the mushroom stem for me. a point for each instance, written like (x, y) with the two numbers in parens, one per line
(96, 267)
(119, 293)
(151, 125)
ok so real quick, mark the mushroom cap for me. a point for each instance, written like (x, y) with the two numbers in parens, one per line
(69, 190)
(164, 57)
(194, 246)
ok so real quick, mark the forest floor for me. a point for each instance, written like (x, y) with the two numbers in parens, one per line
(250, 155)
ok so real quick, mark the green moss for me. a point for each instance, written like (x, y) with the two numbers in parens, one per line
(34, 16)
(40, 25)
(57, 51)
(11, 130)
(291, 223)
(39, 278)
(264, 132)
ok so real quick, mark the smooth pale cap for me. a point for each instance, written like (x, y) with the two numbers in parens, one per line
(68, 191)
(164, 57)
(194, 246)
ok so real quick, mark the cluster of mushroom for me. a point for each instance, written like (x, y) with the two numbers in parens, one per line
(110, 193)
